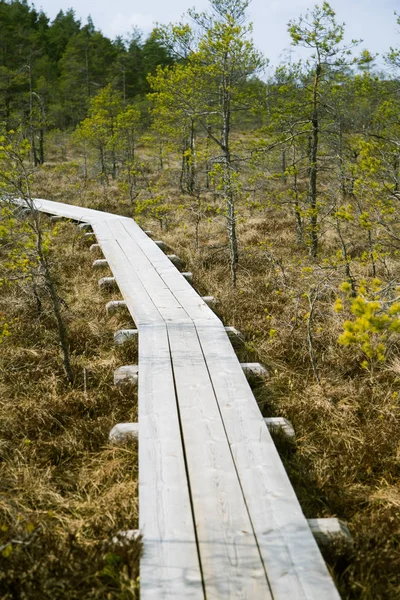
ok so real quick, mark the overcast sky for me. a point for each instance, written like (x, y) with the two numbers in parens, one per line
(371, 20)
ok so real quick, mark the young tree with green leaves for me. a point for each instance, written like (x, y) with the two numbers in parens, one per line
(219, 60)
(24, 246)
(319, 32)
(99, 129)
(112, 129)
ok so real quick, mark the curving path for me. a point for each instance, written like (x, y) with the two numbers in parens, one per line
(218, 514)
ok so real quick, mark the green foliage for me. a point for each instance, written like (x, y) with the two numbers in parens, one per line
(14, 150)
(376, 319)
(4, 328)
(318, 30)
(156, 207)
(111, 129)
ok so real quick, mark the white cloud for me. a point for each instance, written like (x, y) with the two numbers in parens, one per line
(121, 24)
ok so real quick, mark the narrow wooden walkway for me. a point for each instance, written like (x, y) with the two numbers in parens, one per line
(218, 515)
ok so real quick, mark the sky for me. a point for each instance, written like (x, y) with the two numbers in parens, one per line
(371, 20)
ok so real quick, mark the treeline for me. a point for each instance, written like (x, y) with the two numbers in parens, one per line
(49, 71)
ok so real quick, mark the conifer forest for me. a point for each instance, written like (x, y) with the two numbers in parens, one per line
(279, 187)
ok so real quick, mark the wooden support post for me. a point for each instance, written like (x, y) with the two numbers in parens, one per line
(210, 300)
(85, 226)
(55, 218)
(107, 283)
(95, 247)
(256, 369)
(234, 334)
(162, 245)
(124, 537)
(124, 432)
(282, 424)
(325, 530)
(126, 374)
(188, 276)
(100, 263)
(176, 260)
(114, 305)
(124, 335)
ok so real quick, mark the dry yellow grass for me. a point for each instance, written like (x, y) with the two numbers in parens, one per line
(346, 460)
(65, 492)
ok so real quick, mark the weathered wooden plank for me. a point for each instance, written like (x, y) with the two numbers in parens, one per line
(169, 565)
(136, 297)
(172, 278)
(291, 534)
(162, 297)
(231, 563)
(287, 576)
(76, 213)
(230, 559)
(295, 567)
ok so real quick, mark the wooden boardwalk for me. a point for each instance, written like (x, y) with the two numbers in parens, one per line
(217, 512)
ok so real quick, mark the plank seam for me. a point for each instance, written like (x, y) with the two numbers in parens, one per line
(187, 469)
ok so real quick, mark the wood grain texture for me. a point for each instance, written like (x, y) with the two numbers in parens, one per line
(230, 559)
(169, 566)
(231, 563)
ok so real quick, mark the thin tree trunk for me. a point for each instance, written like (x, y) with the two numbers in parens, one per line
(34, 159)
(396, 168)
(342, 175)
(371, 253)
(297, 210)
(103, 165)
(41, 146)
(62, 330)
(284, 165)
(192, 163)
(124, 85)
(227, 181)
(49, 281)
(346, 259)
(160, 155)
(183, 166)
(87, 71)
(313, 168)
